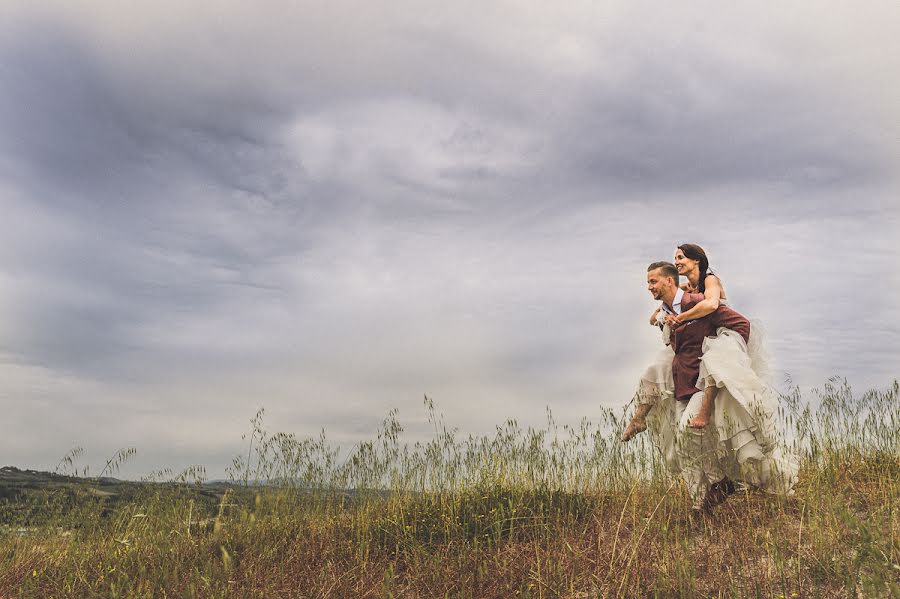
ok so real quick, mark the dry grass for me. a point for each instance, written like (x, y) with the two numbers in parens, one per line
(525, 513)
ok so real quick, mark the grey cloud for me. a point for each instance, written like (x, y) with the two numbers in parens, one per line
(86, 129)
(657, 131)
(685, 120)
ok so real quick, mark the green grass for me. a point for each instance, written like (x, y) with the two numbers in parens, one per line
(550, 512)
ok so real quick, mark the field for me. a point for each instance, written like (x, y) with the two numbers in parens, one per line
(555, 512)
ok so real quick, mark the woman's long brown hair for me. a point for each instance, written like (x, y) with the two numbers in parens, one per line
(695, 252)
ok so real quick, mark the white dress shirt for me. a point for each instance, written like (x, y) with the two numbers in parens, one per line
(676, 303)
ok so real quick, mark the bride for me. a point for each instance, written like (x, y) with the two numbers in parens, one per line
(738, 401)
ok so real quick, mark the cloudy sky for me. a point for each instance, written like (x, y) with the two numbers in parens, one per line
(331, 209)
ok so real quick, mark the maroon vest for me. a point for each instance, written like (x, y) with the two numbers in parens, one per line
(687, 341)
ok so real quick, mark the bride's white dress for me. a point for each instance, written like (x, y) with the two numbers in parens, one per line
(744, 412)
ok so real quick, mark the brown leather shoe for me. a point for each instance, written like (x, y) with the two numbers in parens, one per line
(718, 493)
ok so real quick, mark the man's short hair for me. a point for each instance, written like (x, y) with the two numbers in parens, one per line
(668, 270)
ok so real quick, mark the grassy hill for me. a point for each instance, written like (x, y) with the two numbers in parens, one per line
(555, 512)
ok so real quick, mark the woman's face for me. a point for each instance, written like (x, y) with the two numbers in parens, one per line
(683, 263)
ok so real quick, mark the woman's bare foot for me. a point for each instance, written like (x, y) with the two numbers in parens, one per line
(699, 421)
(635, 427)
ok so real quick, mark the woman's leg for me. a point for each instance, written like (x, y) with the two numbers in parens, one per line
(701, 418)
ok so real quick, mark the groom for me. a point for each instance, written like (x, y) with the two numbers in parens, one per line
(696, 447)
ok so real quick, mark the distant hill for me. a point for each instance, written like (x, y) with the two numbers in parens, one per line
(25, 494)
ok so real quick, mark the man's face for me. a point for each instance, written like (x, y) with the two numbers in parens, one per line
(658, 284)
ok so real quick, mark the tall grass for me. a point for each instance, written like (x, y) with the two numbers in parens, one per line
(525, 512)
